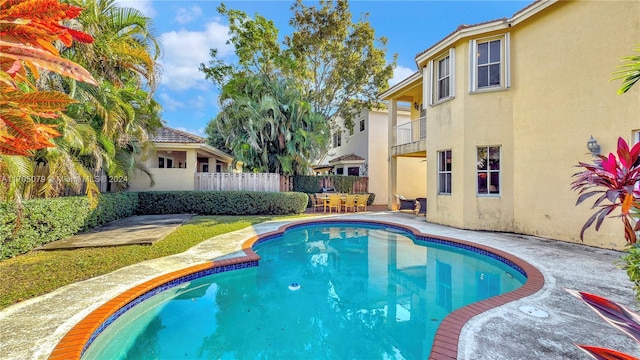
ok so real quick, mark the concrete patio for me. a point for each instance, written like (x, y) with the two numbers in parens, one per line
(31, 329)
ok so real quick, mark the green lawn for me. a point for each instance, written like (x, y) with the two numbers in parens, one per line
(40, 272)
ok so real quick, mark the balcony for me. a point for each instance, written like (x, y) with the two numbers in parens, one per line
(410, 138)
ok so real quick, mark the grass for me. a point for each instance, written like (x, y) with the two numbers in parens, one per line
(40, 272)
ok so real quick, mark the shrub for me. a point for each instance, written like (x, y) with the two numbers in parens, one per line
(112, 207)
(46, 220)
(42, 221)
(221, 202)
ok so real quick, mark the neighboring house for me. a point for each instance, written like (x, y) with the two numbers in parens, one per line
(178, 157)
(363, 151)
(510, 105)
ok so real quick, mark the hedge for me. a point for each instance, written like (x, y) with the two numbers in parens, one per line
(46, 220)
(221, 202)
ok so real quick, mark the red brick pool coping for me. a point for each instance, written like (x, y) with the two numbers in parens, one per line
(445, 343)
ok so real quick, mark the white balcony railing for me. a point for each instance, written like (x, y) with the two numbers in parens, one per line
(412, 131)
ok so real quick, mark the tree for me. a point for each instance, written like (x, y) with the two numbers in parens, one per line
(269, 127)
(110, 123)
(340, 66)
(29, 118)
(337, 65)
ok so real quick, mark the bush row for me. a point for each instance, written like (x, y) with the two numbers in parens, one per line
(45, 220)
(221, 202)
(42, 221)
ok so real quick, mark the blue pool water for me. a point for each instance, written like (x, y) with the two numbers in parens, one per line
(320, 291)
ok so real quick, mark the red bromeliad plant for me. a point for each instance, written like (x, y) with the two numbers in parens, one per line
(614, 180)
(620, 317)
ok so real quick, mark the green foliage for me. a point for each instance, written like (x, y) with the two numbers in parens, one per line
(631, 265)
(307, 184)
(629, 72)
(112, 207)
(337, 61)
(268, 126)
(45, 220)
(343, 184)
(338, 66)
(221, 202)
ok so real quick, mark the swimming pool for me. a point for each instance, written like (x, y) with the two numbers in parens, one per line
(319, 286)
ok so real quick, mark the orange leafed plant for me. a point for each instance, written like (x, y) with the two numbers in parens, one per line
(28, 30)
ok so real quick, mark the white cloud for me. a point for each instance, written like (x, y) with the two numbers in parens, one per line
(144, 6)
(400, 73)
(184, 51)
(187, 15)
(169, 103)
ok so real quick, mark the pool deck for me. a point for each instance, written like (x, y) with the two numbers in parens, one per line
(31, 329)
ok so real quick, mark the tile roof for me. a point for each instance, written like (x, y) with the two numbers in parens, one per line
(347, 157)
(170, 135)
(466, 26)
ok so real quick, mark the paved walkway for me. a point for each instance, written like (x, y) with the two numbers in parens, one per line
(31, 329)
(134, 230)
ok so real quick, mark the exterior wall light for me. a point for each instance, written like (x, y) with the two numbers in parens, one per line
(593, 146)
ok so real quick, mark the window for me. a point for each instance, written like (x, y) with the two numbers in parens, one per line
(204, 168)
(488, 165)
(444, 172)
(353, 171)
(337, 139)
(443, 79)
(442, 73)
(490, 63)
(362, 125)
(340, 171)
(165, 162)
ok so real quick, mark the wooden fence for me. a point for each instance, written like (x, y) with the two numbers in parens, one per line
(237, 182)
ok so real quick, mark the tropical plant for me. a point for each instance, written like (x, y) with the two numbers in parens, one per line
(338, 66)
(269, 127)
(28, 31)
(629, 72)
(618, 316)
(613, 179)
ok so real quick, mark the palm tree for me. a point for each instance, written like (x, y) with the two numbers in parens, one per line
(268, 126)
(110, 124)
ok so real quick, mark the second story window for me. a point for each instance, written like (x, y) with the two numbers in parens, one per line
(443, 78)
(490, 63)
(337, 139)
(442, 73)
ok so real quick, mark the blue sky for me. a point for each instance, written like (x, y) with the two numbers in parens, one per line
(188, 29)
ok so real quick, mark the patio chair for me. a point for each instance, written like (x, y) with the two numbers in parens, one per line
(349, 202)
(406, 204)
(334, 202)
(316, 203)
(422, 206)
(361, 202)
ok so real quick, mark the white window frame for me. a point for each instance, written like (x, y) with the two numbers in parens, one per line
(489, 171)
(505, 67)
(165, 162)
(434, 95)
(337, 139)
(445, 172)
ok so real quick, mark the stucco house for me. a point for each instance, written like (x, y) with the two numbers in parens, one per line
(178, 157)
(363, 151)
(509, 106)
